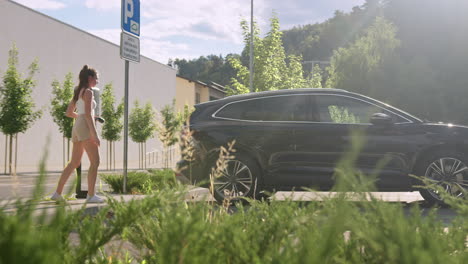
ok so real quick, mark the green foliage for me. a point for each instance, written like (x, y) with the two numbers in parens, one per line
(16, 106)
(141, 182)
(341, 115)
(316, 81)
(317, 42)
(273, 70)
(34, 235)
(167, 229)
(142, 123)
(112, 128)
(207, 69)
(184, 116)
(352, 67)
(170, 125)
(62, 95)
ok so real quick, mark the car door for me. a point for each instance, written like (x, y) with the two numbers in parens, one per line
(260, 133)
(342, 120)
(281, 114)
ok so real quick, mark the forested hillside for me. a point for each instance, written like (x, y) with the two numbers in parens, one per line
(410, 53)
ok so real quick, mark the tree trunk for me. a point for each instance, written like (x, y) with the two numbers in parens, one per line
(164, 158)
(111, 155)
(10, 156)
(113, 152)
(63, 151)
(6, 152)
(16, 152)
(68, 149)
(107, 154)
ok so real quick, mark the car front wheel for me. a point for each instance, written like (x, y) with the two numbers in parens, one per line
(444, 173)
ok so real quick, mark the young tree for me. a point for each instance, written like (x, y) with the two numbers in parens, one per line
(62, 94)
(112, 128)
(273, 70)
(141, 128)
(168, 129)
(316, 81)
(187, 147)
(16, 105)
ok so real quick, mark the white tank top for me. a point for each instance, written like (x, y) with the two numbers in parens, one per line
(80, 106)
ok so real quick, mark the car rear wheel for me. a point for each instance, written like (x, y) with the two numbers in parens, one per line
(238, 179)
(448, 173)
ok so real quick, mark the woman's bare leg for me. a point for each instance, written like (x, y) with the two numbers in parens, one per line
(75, 161)
(94, 159)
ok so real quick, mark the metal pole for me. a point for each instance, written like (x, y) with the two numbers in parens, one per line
(125, 128)
(80, 194)
(251, 46)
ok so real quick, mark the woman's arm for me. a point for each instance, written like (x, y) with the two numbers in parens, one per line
(88, 99)
(71, 110)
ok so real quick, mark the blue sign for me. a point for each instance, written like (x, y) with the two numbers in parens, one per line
(131, 16)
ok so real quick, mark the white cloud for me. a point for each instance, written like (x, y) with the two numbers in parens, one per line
(175, 28)
(159, 50)
(103, 4)
(42, 4)
(204, 19)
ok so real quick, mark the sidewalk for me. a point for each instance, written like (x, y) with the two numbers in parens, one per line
(21, 187)
(48, 206)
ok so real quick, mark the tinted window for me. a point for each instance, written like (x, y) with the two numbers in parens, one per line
(275, 108)
(286, 108)
(342, 109)
(245, 110)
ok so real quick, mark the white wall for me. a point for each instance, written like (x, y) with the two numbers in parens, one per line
(61, 48)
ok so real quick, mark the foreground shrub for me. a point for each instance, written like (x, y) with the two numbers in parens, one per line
(141, 182)
(164, 228)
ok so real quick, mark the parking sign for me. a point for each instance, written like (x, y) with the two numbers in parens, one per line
(131, 17)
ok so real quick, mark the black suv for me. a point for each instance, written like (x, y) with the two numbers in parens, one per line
(289, 139)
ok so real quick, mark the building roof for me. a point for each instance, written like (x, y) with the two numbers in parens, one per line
(211, 85)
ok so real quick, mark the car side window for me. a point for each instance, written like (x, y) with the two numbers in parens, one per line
(244, 110)
(286, 108)
(274, 108)
(342, 109)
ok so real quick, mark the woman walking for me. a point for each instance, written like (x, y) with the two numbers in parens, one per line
(84, 134)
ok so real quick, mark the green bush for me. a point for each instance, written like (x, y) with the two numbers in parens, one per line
(164, 228)
(141, 182)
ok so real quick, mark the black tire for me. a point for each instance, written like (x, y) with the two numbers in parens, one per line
(446, 169)
(239, 179)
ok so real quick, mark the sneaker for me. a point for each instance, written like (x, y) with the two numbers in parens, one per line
(94, 199)
(57, 197)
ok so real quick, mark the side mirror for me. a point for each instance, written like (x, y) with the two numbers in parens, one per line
(381, 119)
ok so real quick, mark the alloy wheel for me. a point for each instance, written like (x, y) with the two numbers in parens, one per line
(234, 181)
(450, 174)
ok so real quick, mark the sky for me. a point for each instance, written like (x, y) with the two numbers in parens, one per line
(188, 29)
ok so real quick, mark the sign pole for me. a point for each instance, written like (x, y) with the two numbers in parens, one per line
(127, 66)
(129, 50)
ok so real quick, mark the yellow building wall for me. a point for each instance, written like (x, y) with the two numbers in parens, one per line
(185, 93)
(204, 92)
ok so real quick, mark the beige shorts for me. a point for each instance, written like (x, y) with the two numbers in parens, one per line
(80, 131)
